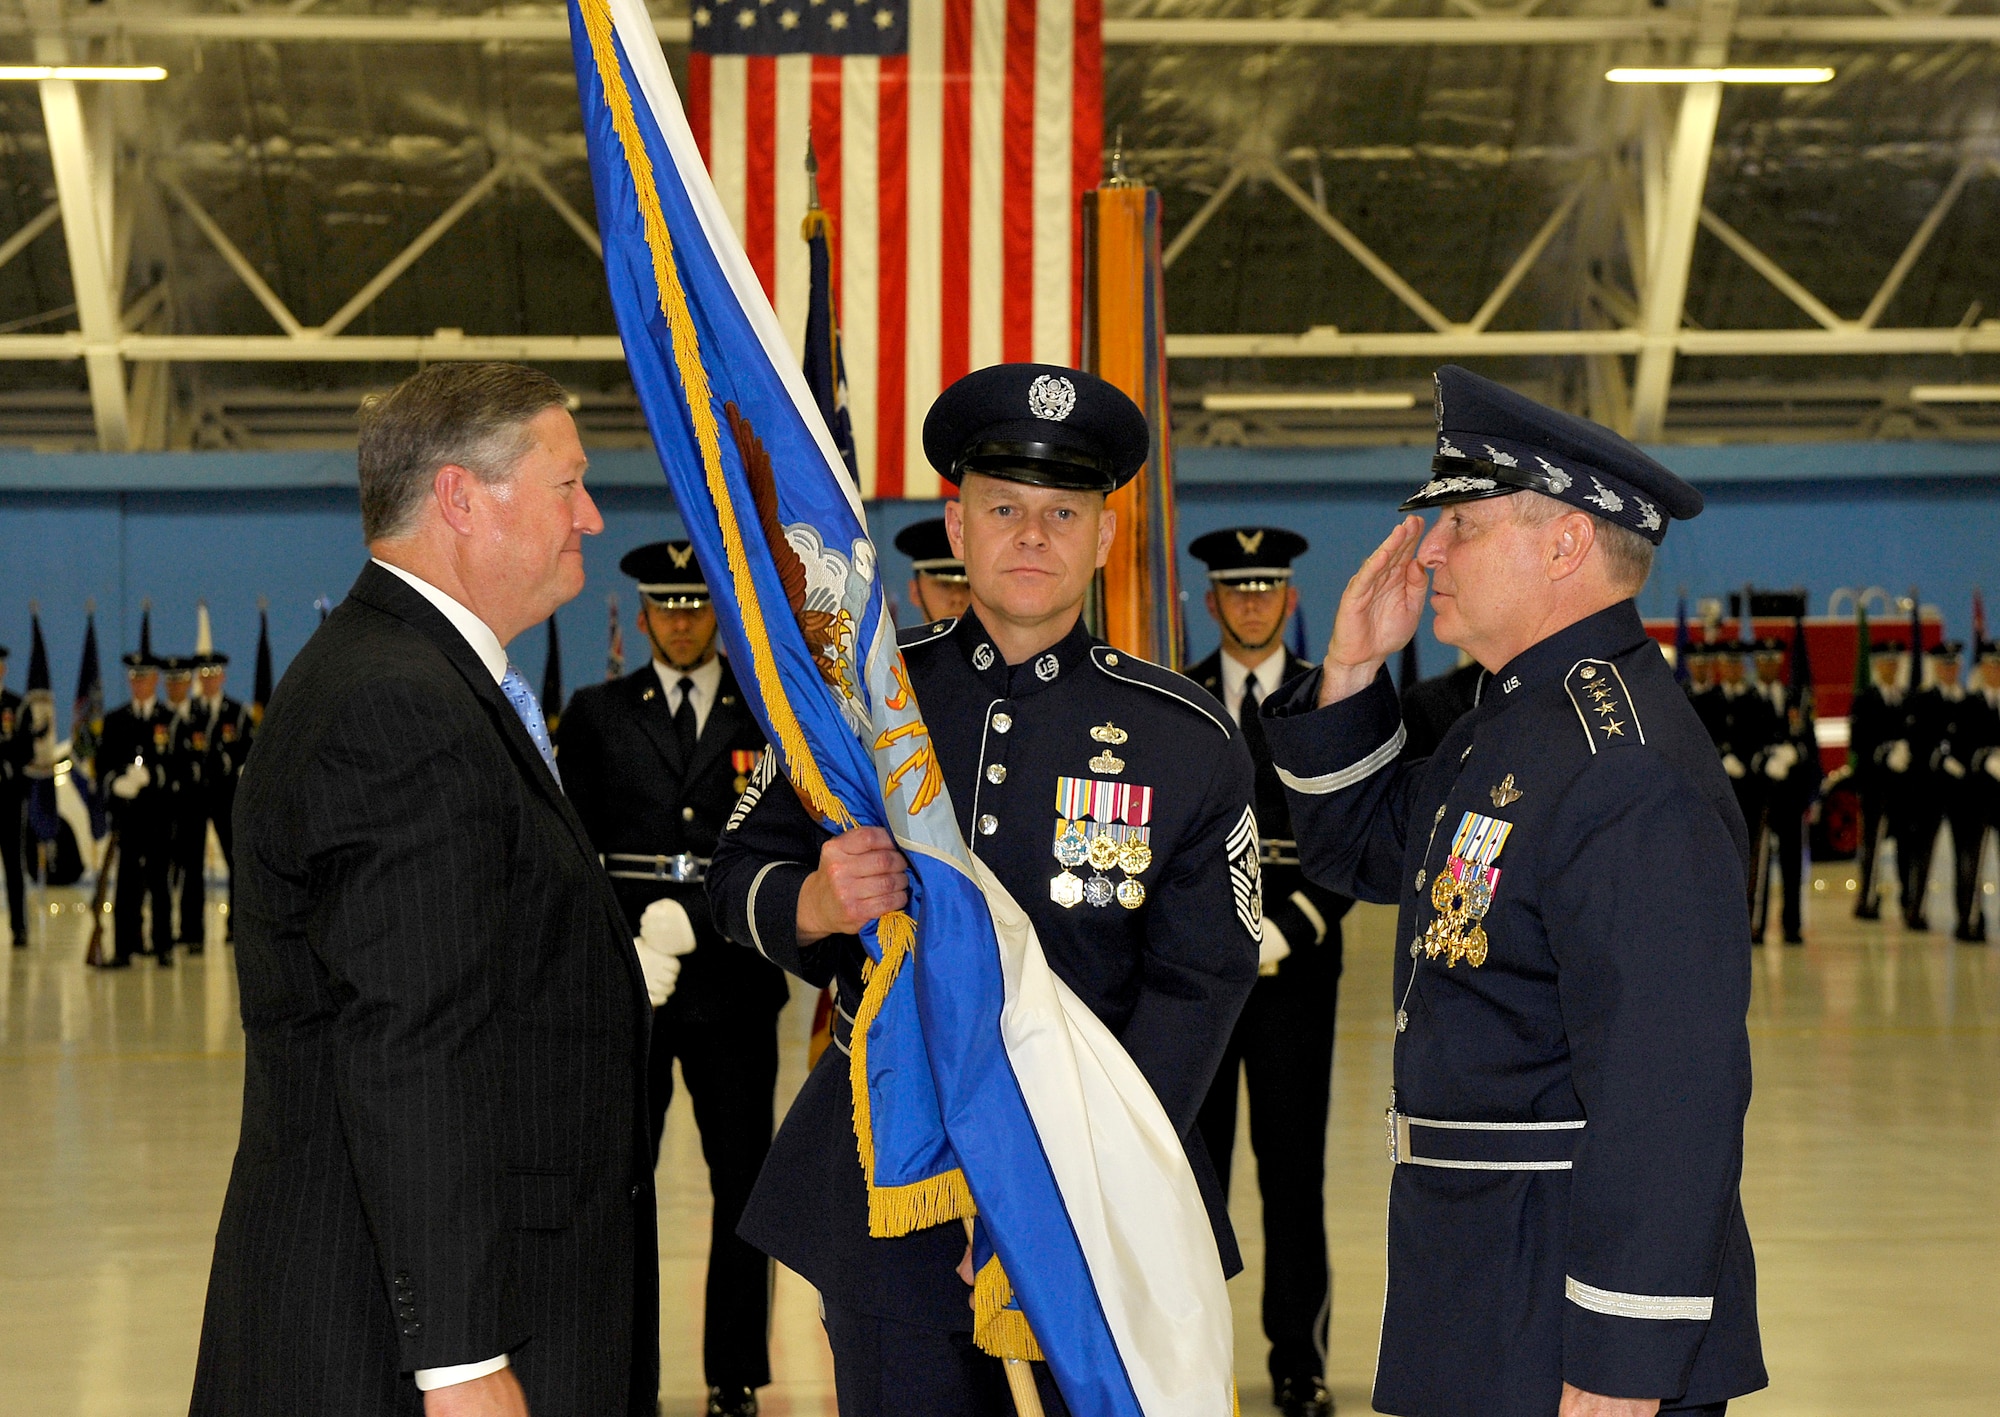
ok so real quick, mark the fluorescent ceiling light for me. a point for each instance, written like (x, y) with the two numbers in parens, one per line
(1955, 393)
(1300, 403)
(129, 73)
(1793, 75)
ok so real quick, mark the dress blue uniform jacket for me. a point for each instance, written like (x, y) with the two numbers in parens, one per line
(1168, 978)
(1613, 994)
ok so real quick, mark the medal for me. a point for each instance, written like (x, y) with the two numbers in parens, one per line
(1134, 856)
(1071, 847)
(1097, 890)
(1131, 894)
(1103, 852)
(1066, 890)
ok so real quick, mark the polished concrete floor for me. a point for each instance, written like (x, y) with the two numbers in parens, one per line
(1872, 1182)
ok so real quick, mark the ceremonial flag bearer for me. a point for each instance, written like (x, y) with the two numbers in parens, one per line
(653, 763)
(1110, 797)
(1571, 1063)
(1284, 1041)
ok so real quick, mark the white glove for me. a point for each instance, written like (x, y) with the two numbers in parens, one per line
(131, 782)
(1954, 767)
(1733, 765)
(1780, 761)
(1272, 949)
(665, 934)
(1993, 766)
(1898, 759)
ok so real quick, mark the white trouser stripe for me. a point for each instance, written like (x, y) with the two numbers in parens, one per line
(1347, 777)
(1636, 1306)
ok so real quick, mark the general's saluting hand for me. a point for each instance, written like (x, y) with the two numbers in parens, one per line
(861, 877)
(1379, 611)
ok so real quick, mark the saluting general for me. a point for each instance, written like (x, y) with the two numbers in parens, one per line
(1572, 974)
(1112, 799)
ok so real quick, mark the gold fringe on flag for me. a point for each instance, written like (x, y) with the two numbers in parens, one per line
(895, 1210)
(997, 1328)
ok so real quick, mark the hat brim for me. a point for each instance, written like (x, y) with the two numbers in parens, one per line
(1037, 465)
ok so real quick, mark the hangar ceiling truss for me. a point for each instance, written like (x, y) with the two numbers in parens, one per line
(1645, 183)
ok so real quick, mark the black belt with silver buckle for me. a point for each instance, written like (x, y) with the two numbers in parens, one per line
(682, 869)
(1482, 1146)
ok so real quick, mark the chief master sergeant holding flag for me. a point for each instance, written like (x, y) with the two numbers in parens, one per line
(1571, 1062)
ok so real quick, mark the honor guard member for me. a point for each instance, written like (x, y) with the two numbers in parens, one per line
(654, 762)
(1951, 728)
(1572, 1065)
(17, 750)
(1881, 730)
(187, 804)
(1283, 1043)
(937, 576)
(221, 733)
(132, 762)
(1742, 726)
(1701, 673)
(1984, 759)
(1790, 769)
(1110, 796)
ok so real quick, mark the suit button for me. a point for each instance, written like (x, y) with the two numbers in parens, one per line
(1002, 722)
(996, 773)
(988, 824)
(687, 814)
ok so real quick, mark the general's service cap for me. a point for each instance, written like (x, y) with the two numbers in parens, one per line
(1492, 441)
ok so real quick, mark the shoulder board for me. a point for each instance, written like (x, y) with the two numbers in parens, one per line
(924, 634)
(1603, 704)
(1130, 669)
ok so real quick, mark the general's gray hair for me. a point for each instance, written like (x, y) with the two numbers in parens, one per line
(473, 415)
(1628, 556)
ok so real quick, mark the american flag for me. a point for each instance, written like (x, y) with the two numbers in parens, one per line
(956, 139)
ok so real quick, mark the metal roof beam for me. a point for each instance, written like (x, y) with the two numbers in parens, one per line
(86, 219)
(293, 24)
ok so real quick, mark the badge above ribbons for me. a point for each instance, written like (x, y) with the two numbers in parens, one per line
(1463, 891)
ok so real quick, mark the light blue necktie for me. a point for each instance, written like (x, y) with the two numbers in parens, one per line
(517, 692)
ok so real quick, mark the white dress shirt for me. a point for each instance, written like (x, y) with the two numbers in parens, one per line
(477, 632)
(707, 684)
(1270, 674)
(493, 655)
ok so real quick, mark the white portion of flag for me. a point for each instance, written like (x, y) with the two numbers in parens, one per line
(1124, 1176)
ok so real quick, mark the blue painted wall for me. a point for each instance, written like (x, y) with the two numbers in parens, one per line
(231, 527)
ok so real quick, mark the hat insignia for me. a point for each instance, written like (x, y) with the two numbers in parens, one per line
(1649, 515)
(1605, 497)
(680, 557)
(1558, 479)
(1500, 458)
(1250, 541)
(1446, 450)
(1051, 397)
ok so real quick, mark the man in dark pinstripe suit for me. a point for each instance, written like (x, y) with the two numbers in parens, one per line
(442, 1200)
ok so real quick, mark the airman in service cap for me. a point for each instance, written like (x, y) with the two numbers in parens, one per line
(929, 550)
(668, 573)
(1947, 649)
(140, 662)
(1493, 441)
(1249, 557)
(1040, 424)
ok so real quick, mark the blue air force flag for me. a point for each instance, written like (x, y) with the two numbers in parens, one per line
(981, 1083)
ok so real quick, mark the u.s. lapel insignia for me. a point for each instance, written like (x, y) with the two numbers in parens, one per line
(1506, 794)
